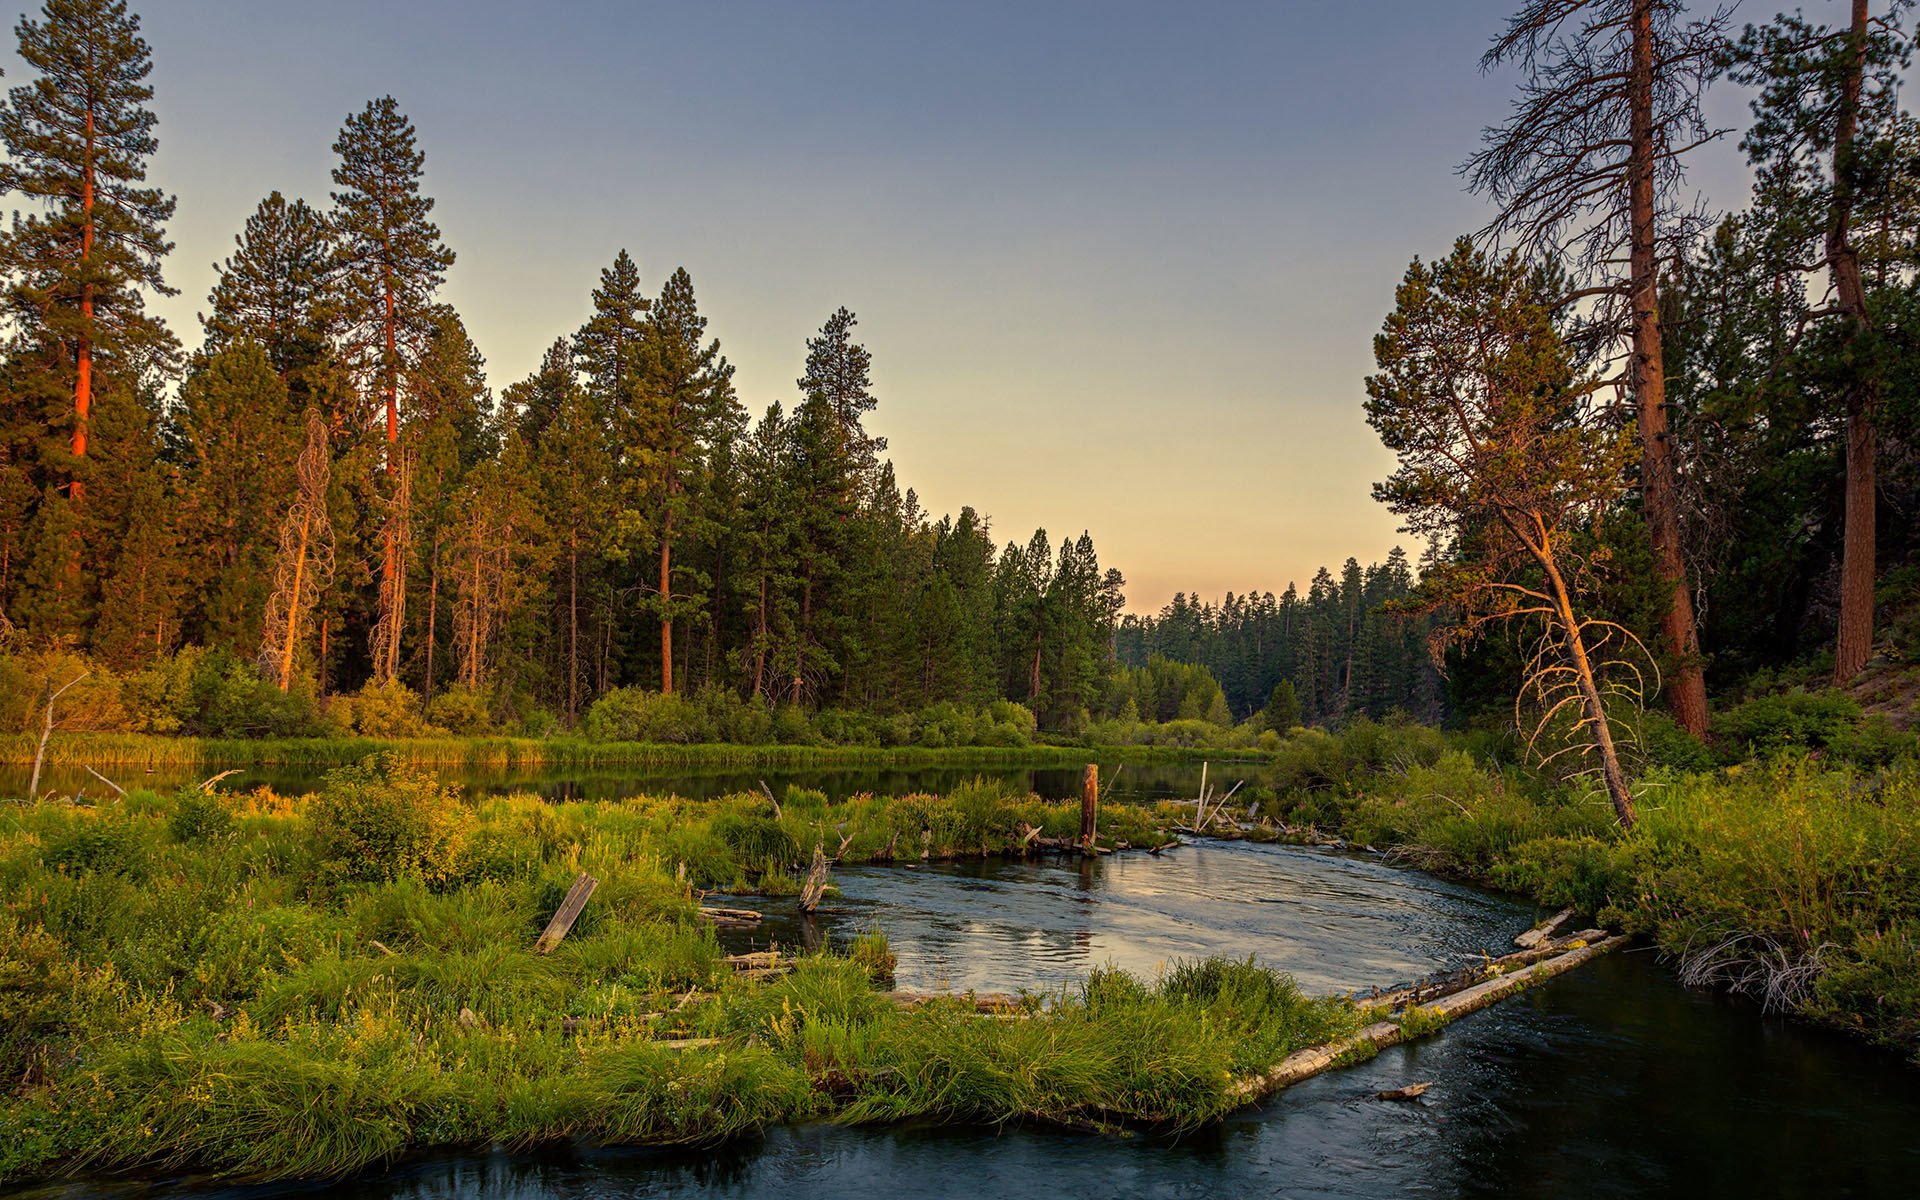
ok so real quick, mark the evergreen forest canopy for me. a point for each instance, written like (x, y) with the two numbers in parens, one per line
(1673, 445)
(325, 496)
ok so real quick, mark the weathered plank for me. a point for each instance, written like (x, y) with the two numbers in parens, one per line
(568, 913)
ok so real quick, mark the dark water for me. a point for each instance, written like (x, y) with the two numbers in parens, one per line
(1128, 781)
(1611, 1081)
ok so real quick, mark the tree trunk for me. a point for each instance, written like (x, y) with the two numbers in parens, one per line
(293, 608)
(1610, 772)
(573, 626)
(800, 652)
(433, 616)
(83, 366)
(1854, 640)
(666, 599)
(1687, 693)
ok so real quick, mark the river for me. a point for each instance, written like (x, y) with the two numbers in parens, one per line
(1611, 1081)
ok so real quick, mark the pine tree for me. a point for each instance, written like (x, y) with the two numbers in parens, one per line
(276, 290)
(239, 437)
(1587, 169)
(391, 262)
(839, 372)
(1824, 143)
(607, 347)
(78, 140)
(683, 403)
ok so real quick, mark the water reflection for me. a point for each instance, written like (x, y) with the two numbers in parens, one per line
(1124, 781)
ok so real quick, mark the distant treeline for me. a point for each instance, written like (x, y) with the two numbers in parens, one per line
(1344, 653)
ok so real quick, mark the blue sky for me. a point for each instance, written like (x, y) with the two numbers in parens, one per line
(1119, 265)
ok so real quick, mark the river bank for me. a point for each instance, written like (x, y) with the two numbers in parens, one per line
(1792, 878)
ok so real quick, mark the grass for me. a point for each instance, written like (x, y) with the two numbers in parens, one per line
(1793, 877)
(268, 987)
(123, 749)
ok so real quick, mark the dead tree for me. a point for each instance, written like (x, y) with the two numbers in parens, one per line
(46, 730)
(303, 565)
(1587, 171)
(1504, 454)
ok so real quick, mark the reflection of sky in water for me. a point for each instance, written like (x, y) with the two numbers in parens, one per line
(1334, 921)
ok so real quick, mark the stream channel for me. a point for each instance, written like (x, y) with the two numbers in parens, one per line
(1612, 1080)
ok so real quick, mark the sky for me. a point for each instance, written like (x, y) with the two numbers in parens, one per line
(1119, 265)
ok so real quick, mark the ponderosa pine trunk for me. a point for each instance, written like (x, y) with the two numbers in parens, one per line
(1853, 643)
(1687, 693)
(666, 599)
(83, 365)
(573, 625)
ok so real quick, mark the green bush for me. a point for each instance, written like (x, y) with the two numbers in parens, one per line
(638, 715)
(383, 819)
(461, 710)
(1787, 720)
(199, 816)
(389, 710)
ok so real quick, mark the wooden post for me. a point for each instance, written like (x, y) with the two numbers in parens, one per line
(816, 884)
(568, 913)
(1089, 806)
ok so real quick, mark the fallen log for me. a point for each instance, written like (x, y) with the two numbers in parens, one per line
(732, 918)
(1544, 931)
(1305, 1064)
(1446, 983)
(984, 1002)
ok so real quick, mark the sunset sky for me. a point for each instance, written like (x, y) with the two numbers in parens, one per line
(1119, 265)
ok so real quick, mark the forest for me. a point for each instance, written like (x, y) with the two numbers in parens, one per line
(1653, 661)
(320, 495)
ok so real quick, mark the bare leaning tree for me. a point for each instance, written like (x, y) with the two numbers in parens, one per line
(1587, 170)
(1504, 458)
(303, 566)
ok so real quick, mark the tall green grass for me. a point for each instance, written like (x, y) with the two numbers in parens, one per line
(260, 986)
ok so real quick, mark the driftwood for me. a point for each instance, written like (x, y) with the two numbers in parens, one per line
(993, 1003)
(1412, 1091)
(1305, 1064)
(103, 779)
(206, 785)
(732, 918)
(1544, 931)
(568, 913)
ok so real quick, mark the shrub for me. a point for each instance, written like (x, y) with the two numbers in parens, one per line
(462, 710)
(638, 715)
(389, 710)
(1796, 719)
(381, 819)
(199, 816)
(100, 846)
